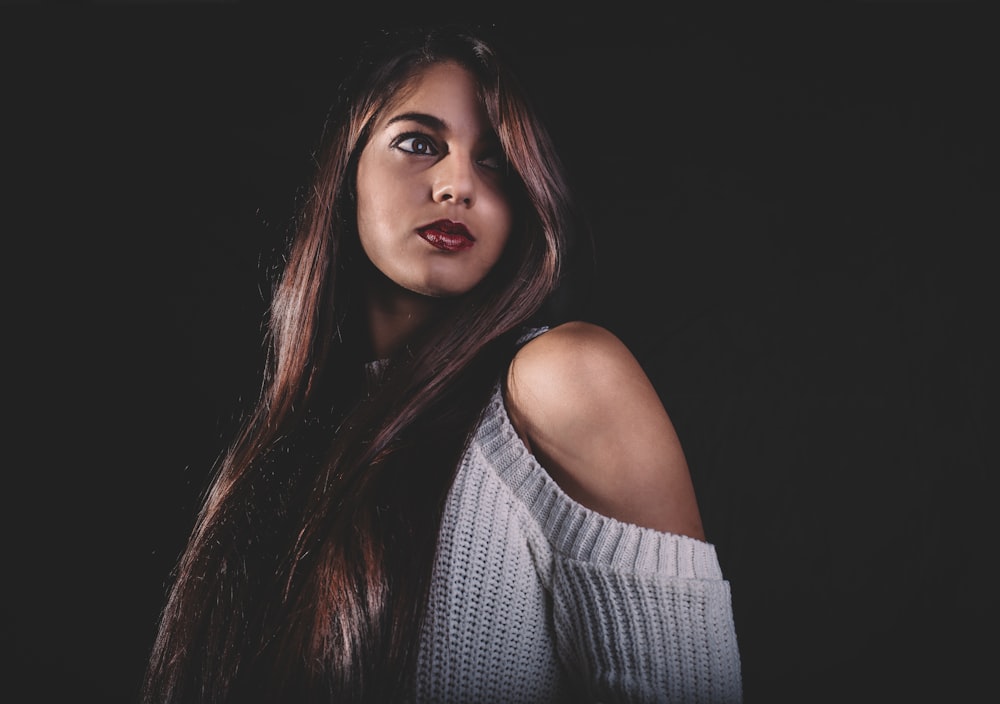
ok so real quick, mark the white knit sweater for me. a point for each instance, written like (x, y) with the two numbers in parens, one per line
(536, 598)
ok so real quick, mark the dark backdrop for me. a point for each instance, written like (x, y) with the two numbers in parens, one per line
(793, 214)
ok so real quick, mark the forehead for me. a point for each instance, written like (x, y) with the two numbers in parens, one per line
(439, 89)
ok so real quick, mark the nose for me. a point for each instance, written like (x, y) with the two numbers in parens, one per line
(454, 181)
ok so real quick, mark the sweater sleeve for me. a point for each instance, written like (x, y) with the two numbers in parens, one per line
(639, 615)
(642, 616)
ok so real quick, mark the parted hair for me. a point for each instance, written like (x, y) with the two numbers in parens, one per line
(306, 575)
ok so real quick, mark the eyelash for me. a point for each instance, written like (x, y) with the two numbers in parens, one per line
(431, 149)
(415, 137)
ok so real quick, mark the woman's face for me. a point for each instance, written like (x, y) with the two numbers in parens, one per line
(433, 211)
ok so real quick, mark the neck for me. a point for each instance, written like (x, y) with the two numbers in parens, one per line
(394, 314)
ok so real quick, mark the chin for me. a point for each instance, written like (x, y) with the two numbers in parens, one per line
(443, 293)
(450, 290)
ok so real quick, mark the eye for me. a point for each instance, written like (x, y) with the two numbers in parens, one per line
(415, 144)
(496, 161)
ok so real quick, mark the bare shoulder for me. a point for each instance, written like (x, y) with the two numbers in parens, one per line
(563, 349)
(587, 410)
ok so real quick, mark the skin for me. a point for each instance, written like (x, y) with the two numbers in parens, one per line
(585, 408)
(577, 396)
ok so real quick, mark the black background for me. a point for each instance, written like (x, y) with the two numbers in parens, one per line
(794, 213)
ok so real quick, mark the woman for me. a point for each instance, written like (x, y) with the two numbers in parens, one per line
(437, 497)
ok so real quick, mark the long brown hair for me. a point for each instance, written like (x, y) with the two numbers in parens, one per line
(306, 574)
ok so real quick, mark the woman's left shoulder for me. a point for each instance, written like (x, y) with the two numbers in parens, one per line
(573, 356)
(575, 372)
(586, 409)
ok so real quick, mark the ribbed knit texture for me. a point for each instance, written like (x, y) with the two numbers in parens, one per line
(535, 598)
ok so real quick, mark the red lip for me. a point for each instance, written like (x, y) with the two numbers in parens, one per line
(447, 235)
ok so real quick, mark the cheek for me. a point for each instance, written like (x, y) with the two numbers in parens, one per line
(366, 217)
(372, 195)
(364, 205)
(502, 218)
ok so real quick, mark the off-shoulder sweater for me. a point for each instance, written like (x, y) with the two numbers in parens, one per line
(536, 598)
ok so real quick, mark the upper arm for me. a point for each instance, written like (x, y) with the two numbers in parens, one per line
(589, 413)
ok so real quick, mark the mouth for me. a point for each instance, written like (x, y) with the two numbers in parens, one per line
(447, 235)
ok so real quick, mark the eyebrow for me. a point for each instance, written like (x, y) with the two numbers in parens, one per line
(428, 121)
